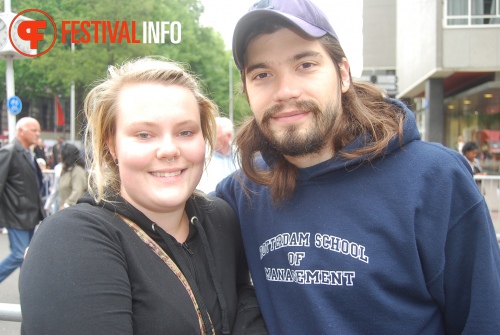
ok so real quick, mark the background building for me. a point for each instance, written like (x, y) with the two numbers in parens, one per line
(379, 44)
(53, 117)
(446, 58)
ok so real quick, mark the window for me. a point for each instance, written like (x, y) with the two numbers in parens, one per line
(472, 12)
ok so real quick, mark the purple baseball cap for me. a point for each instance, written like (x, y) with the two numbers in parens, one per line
(302, 13)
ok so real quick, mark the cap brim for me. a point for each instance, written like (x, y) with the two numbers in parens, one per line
(247, 21)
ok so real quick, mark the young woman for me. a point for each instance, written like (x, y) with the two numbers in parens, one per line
(73, 179)
(144, 253)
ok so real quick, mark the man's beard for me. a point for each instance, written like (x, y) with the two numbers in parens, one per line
(293, 141)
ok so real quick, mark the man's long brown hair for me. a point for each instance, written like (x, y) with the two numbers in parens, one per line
(365, 110)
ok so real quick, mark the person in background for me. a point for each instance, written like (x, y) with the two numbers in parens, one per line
(470, 151)
(144, 252)
(44, 191)
(39, 150)
(223, 161)
(20, 198)
(73, 179)
(351, 223)
(460, 143)
(42, 164)
(56, 150)
(485, 150)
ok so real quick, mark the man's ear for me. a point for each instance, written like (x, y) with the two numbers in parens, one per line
(345, 74)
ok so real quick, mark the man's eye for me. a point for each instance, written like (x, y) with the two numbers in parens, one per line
(262, 75)
(307, 65)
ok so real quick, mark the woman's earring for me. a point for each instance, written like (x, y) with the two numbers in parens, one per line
(116, 162)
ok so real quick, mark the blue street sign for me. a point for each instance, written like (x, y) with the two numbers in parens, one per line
(15, 105)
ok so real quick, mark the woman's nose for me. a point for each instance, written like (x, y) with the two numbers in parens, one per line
(167, 149)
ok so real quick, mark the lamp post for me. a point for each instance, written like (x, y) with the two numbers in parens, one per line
(72, 102)
(231, 117)
(9, 53)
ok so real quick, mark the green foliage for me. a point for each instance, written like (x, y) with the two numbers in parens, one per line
(201, 49)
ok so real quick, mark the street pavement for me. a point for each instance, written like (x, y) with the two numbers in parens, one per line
(9, 291)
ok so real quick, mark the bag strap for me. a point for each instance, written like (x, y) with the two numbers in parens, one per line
(171, 264)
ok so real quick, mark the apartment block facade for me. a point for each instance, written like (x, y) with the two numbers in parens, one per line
(445, 57)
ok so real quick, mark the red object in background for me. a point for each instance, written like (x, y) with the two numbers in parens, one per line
(59, 112)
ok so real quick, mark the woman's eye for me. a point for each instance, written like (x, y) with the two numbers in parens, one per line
(143, 136)
(186, 133)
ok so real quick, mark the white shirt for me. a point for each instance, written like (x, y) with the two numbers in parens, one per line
(217, 169)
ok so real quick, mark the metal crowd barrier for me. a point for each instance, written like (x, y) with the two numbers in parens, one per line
(10, 312)
(490, 188)
(48, 182)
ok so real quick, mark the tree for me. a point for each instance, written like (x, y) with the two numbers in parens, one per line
(201, 49)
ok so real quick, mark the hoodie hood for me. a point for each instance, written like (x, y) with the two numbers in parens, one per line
(120, 206)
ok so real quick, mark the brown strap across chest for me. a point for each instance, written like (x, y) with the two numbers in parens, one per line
(171, 264)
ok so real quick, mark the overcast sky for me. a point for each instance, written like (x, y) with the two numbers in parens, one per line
(345, 17)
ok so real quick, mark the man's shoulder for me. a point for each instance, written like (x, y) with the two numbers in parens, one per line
(7, 151)
(215, 210)
(433, 150)
(435, 158)
(211, 204)
(8, 147)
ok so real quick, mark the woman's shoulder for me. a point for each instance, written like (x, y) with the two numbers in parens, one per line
(80, 219)
(78, 169)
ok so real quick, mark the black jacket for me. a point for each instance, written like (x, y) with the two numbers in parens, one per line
(20, 201)
(87, 272)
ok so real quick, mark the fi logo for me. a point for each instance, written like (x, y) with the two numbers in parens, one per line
(26, 34)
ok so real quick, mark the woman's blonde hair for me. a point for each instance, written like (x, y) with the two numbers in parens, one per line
(101, 107)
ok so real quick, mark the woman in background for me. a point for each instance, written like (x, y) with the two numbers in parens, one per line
(470, 151)
(144, 253)
(73, 180)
